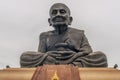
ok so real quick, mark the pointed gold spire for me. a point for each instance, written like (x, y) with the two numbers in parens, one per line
(55, 76)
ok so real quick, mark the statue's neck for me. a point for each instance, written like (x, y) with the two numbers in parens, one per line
(60, 29)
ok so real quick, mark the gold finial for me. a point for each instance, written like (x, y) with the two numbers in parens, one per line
(55, 77)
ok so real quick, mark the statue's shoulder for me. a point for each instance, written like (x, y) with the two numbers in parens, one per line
(74, 30)
(45, 34)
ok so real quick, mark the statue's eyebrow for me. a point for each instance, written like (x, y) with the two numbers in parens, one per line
(62, 11)
(54, 11)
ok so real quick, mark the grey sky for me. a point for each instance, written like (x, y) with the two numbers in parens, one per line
(21, 22)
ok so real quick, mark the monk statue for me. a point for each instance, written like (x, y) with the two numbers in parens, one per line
(63, 45)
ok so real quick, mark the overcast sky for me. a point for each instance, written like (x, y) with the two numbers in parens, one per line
(22, 21)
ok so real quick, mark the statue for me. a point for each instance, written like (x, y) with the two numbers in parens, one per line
(63, 45)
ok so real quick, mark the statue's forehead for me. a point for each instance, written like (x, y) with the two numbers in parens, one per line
(59, 6)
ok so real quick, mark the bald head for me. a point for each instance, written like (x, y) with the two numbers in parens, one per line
(59, 6)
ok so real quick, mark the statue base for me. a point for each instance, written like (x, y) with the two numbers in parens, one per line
(60, 72)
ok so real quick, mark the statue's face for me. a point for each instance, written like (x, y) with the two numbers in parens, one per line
(59, 15)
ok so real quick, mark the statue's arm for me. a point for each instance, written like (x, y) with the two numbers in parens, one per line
(42, 43)
(85, 46)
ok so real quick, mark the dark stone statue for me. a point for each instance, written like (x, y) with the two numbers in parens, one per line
(63, 45)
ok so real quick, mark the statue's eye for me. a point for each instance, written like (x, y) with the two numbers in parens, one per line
(62, 11)
(54, 12)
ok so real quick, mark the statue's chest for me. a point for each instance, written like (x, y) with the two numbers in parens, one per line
(72, 39)
(53, 39)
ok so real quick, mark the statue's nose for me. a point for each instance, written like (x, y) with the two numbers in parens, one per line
(58, 13)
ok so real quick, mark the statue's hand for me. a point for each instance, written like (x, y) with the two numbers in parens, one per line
(59, 53)
(66, 52)
(65, 55)
(53, 53)
(61, 45)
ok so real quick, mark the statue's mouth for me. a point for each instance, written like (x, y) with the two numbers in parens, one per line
(59, 19)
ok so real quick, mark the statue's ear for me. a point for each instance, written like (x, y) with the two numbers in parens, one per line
(49, 21)
(71, 19)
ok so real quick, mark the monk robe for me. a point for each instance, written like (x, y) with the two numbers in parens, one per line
(77, 51)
